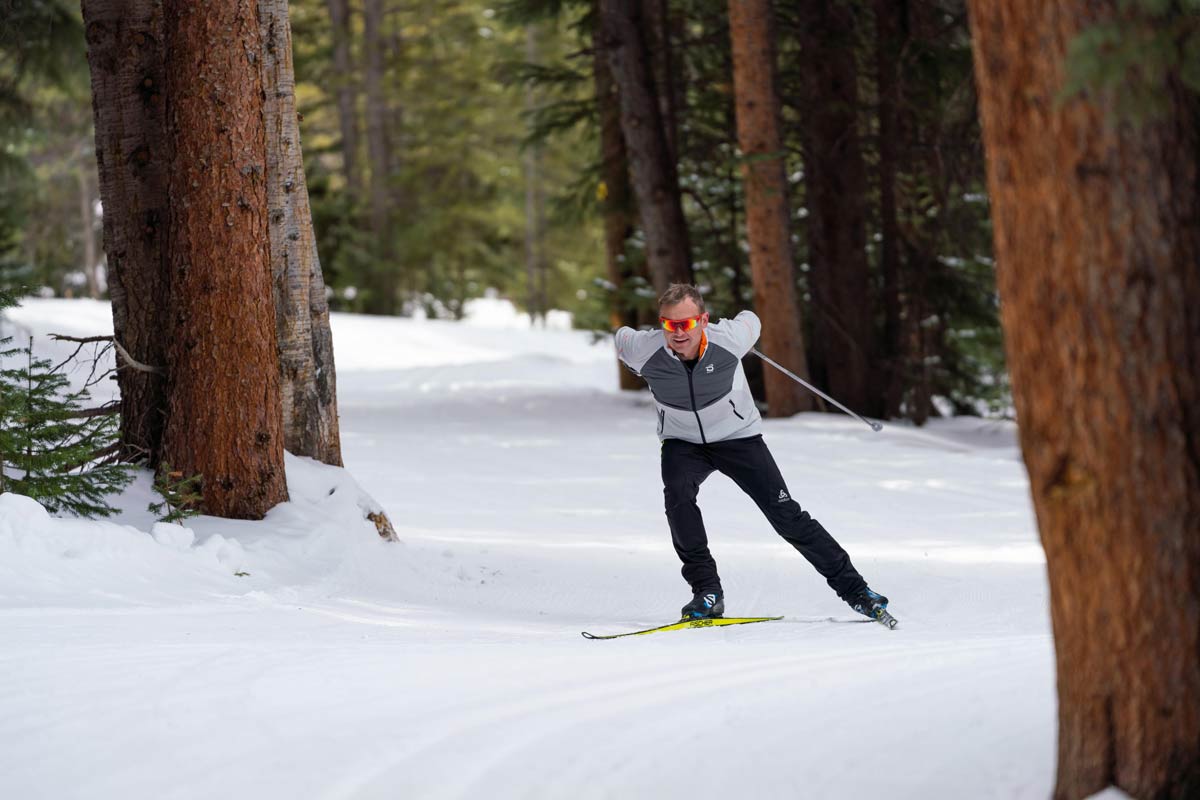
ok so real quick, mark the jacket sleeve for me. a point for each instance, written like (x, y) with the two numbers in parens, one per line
(635, 347)
(743, 331)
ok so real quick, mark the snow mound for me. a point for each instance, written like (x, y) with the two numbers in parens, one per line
(320, 532)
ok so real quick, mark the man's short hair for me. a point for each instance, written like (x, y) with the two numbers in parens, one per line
(678, 292)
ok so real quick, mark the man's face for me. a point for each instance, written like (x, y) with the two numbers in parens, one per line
(684, 342)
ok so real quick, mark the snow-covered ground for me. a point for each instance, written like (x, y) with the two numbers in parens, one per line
(135, 663)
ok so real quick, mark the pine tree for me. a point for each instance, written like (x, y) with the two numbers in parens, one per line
(773, 270)
(225, 417)
(1097, 230)
(51, 449)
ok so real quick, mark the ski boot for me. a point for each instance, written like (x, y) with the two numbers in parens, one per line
(874, 605)
(705, 605)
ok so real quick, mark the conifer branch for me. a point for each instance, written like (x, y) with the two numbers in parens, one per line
(108, 409)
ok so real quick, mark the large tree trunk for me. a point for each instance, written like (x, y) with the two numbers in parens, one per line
(616, 201)
(125, 55)
(308, 380)
(382, 297)
(767, 220)
(1097, 234)
(837, 189)
(224, 405)
(655, 182)
(339, 18)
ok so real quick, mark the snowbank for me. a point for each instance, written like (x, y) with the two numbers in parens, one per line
(45, 561)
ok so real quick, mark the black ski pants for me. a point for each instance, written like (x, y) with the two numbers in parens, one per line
(750, 465)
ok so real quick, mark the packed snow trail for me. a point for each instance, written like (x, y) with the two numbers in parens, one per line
(526, 492)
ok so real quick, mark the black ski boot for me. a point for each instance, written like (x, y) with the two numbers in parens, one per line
(705, 605)
(874, 605)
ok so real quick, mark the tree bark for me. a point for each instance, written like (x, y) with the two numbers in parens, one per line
(655, 182)
(1097, 235)
(87, 228)
(616, 201)
(662, 68)
(837, 190)
(768, 229)
(339, 18)
(382, 295)
(308, 379)
(535, 215)
(225, 420)
(890, 28)
(125, 57)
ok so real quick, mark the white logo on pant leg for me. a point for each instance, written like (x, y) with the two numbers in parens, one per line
(782, 495)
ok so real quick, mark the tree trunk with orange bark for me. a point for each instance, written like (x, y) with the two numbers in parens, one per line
(767, 219)
(1097, 234)
(224, 408)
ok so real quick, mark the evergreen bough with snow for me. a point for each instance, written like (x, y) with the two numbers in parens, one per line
(51, 448)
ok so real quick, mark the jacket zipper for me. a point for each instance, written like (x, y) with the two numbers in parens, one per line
(735, 413)
(692, 392)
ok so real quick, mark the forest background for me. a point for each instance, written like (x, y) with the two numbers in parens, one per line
(455, 148)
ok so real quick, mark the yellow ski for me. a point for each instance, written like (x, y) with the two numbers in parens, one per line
(687, 623)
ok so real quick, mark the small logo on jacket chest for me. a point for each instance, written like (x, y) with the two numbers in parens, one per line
(709, 368)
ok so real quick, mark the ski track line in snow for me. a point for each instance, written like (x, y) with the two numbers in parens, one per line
(505, 728)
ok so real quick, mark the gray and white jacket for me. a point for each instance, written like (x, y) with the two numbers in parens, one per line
(711, 402)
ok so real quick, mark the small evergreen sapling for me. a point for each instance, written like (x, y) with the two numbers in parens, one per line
(7, 399)
(51, 448)
(180, 496)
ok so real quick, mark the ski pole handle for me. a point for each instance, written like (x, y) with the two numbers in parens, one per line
(875, 426)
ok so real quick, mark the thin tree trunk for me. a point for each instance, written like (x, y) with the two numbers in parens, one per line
(308, 380)
(916, 331)
(225, 420)
(125, 57)
(890, 27)
(383, 284)
(1097, 234)
(837, 190)
(339, 17)
(662, 67)
(616, 200)
(533, 234)
(87, 228)
(655, 182)
(772, 268)
(534, 206)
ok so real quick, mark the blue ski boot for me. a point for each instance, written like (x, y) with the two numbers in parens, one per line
(705, 605)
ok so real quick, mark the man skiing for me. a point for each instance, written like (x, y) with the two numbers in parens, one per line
(707, 422)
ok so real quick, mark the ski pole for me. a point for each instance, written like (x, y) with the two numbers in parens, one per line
(875, 426)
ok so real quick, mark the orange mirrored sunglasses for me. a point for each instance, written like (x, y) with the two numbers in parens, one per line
(672, 325)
